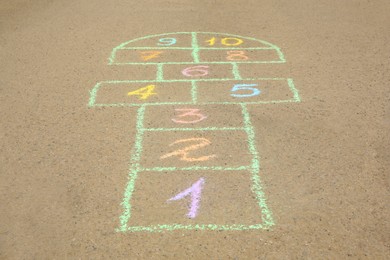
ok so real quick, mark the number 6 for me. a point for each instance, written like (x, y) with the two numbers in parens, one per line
(196, 71)
(237, 87)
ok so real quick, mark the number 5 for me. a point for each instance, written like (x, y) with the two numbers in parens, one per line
(254, 91)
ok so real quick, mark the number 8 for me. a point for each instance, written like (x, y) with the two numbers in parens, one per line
(236, 55)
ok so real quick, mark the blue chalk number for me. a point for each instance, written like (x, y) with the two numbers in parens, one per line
(167, 41)
(250, 87)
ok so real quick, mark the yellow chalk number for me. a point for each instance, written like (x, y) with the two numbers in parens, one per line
(143, 93)
(225, 41)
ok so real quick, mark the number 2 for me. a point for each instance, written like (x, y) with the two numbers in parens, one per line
(237, 87)
(183, 153)
(189, 112)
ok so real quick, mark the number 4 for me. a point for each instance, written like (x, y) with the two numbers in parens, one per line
(144, 92)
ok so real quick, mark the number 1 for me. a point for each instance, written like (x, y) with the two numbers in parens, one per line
(196, 191)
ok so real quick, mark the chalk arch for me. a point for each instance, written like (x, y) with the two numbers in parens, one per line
(139, 43)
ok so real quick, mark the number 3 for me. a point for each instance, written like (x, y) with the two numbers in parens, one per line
(189, 112)
(237, 87)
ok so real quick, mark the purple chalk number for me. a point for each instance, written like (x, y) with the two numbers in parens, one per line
(195, 191)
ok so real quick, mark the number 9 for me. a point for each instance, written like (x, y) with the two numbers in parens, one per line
(167, 41)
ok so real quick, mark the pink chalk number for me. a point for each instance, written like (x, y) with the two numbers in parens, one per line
(189, 112)
(195, 191)
(196, 71)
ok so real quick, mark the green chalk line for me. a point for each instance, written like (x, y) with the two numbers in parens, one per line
(251, 137)
(199, 48)
(281, 56)
(124, 218)
(194, 91)
(195, 47)
(199, 103)
(236, 71)
(197, 129)
(192, 63)
(172, 227)
(93, 93)
(255, 168)
(133, 172)
(295, 92)
(195, 168)
(184, 80)
(160, 72)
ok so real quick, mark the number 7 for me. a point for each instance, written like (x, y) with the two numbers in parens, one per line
(147, 55)
(189, 112)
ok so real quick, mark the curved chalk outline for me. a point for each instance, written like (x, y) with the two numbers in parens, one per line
(122, 46)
